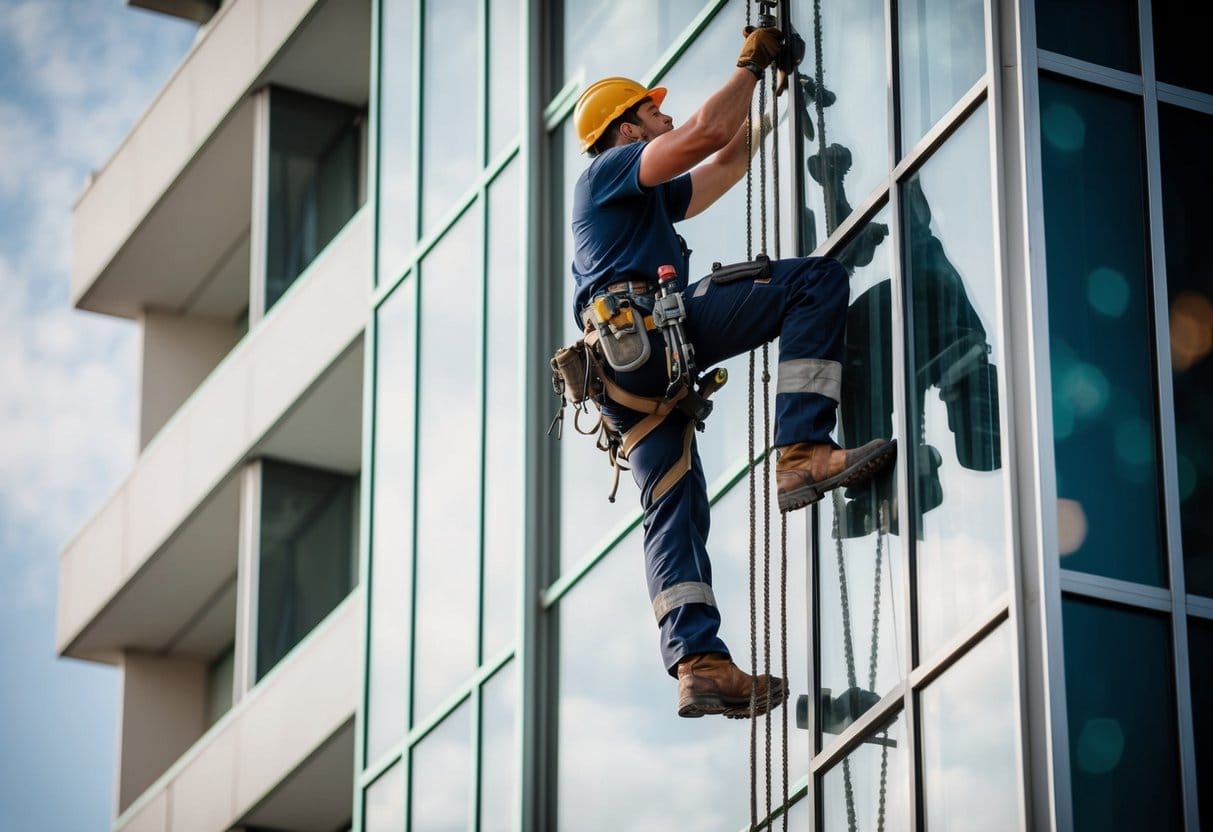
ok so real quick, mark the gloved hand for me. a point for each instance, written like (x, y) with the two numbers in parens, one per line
(760, 48)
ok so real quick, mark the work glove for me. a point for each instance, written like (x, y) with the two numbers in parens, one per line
(760, 48)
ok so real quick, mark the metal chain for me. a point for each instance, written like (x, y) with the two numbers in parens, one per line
(875, 613)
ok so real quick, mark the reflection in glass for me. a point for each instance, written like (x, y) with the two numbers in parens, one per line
(498, 760)
(969, 741)
(392, 520)
(448, 466)
(1181, 44)
(314, 182)
(1099, 31)
(960, 490)
(867, 790)
(624, 37)
(1187, 179)
(397, 182)
(307, 564)
(1120, 709)
(383, 810)
(844, 126)
(503, 508)
(658, 771)
(861, 568)
(505, 73)
(439, 797)
(450, 121)
(943, 53)
(1200, 654)
(1100, 332)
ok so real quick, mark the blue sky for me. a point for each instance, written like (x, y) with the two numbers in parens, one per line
(74, 77)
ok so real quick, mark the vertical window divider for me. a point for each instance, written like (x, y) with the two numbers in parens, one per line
(902, 332)
(1166, 422)
(1001, 185)
(244, 671)
(259, 229)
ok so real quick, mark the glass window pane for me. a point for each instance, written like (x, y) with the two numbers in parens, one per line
(499, 791)
(505, 73)
(1099, 31)
(1181, 44)
(1100, 333)
(314, 169)
(440, 796)
(383, 810)
(503, 504)
(397, 180)
(861, 567)
(867, 790)
(943, 53)
(663, 772)
(392, 520)
(1200, 655)
(448, 463)
(958, 480)
(308, 540)
(969, 739)
(1187, 179)
(1120, 705)
(450, 121)
(624, 37)
(845, 127)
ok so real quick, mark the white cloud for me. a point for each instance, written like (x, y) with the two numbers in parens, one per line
(75, 76)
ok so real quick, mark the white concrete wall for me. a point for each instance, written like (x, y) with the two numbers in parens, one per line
(238, 44)
(303, 702)
(176, 354)
(163, 712)
(217, 428)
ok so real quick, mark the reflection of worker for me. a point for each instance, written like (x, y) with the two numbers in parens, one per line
(645, 176)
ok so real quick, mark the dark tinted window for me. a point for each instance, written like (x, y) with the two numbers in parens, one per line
(1120, 705)
(1100, 333)
(1181, 34)
(1187, 178)
(1099, 31)
(1200, 653)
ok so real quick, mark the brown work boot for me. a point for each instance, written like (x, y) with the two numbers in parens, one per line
(805, 471)
(710, 683)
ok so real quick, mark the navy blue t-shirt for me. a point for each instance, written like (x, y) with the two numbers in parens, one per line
(621, 229)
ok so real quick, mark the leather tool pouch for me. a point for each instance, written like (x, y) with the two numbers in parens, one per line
(623, 339)
(573, 374)
(757, 269)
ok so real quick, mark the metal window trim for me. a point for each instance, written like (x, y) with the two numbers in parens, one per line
(1167, 439)
(259, 224)
(860, 216)
(1126, 593)
(973, 633)
(951, 121)
(1184, 97)
(796, 793)
(1199, 607)
(248, 572)
(890, 707)
(1042, 663)
(1092, 73)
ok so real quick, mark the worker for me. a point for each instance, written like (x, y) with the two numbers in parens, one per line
(644, 176)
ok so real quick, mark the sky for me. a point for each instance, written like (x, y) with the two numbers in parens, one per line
(75, 75)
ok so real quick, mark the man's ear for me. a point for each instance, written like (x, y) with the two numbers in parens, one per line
(629, 131)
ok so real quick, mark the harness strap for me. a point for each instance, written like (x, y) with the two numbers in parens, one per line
(679, 469)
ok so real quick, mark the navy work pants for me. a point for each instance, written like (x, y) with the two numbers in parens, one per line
(803, 303)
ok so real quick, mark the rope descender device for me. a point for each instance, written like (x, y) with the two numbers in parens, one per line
(670, 314)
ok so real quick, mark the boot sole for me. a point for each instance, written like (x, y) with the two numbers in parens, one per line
(859, 472)
(694, 707)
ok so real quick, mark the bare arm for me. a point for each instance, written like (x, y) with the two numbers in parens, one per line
(711, 128)
(711, 180)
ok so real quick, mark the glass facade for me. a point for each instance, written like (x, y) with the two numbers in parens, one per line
(1030, 317)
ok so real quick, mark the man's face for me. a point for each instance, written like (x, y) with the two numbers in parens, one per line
(653, 122)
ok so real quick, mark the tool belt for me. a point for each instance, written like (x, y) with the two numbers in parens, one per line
(579, 378)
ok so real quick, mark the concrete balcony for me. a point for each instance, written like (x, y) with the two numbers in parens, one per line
(154, 569)
(165, 224)
(283, 758)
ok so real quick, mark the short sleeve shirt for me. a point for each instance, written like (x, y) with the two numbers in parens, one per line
(621, 229)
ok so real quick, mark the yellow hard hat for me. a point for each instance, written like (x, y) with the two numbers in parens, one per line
(604, 101)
